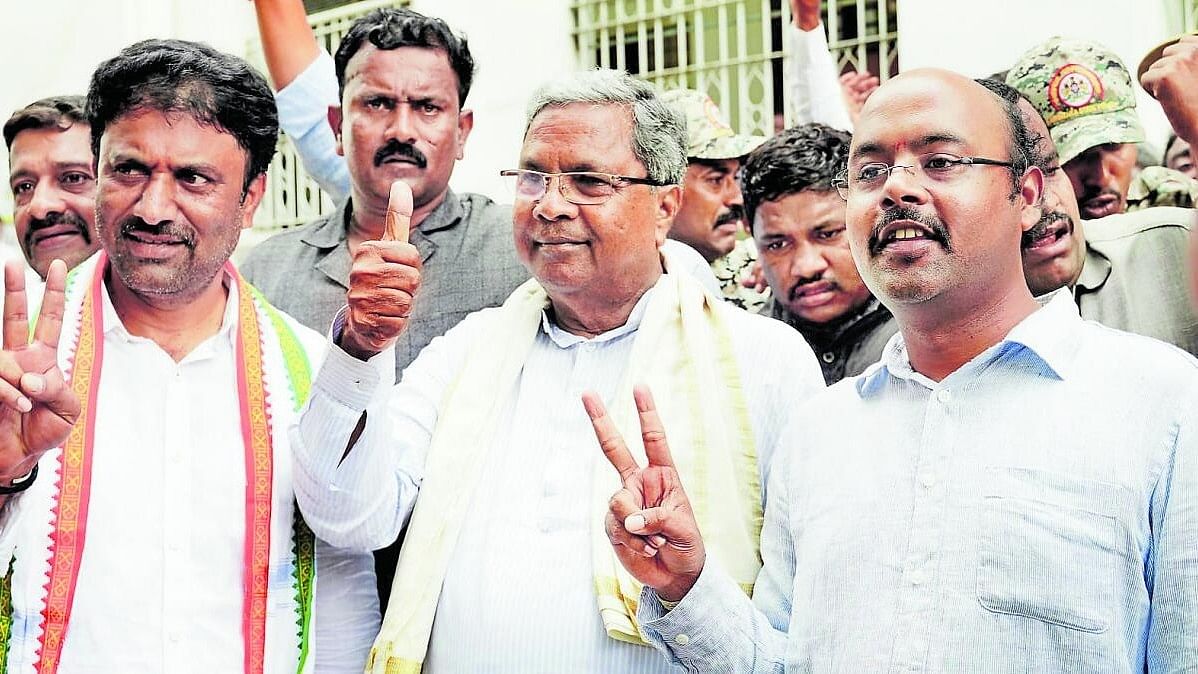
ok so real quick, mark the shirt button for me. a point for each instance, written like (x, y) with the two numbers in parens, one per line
(928, 480)
(944, 396)
(829, 357)
(916, 577)
(682, 640)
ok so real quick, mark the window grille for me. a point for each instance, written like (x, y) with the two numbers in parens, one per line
(734, 50)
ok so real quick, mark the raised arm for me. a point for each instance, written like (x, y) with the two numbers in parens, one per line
(288, 42)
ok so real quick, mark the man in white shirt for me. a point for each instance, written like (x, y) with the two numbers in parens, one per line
(506, 546)
(1016, 491)
(162, 534)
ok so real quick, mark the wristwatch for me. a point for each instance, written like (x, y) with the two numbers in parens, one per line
(20, 484)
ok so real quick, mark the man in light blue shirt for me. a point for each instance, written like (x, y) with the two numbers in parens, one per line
(1009, 489)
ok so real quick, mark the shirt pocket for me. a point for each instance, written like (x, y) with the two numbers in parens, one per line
(1049, 547)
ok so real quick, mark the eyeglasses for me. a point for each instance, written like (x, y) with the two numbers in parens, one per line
(584, 188)
(931, 168)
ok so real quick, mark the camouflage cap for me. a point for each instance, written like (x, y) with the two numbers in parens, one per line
(708, 135)
(1082, 90)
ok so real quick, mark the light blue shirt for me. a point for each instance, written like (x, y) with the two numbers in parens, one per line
(1035, 511)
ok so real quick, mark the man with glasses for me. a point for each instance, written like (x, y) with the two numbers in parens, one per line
(1018, 487)
(485, 445)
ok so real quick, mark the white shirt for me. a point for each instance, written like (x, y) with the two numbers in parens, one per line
(162, 568)
(518, 595)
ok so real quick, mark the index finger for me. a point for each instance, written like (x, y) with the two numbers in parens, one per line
(16, 311)
(653, 434)
(49, 319)
(399, 212)
(609, 437)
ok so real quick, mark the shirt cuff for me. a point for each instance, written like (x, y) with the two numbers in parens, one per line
(691, 631)
(349, 381)
(318, 82)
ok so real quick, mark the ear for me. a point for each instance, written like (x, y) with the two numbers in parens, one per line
(334, 117)
(253, 197)
(1031, 198)
(465, 126)
(668, 200)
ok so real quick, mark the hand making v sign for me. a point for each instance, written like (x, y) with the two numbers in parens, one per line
(649, 521)
(37, 408)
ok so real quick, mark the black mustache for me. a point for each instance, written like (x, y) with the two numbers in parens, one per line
(1097, 192)
(733, 214)
(937, 228)
(394, 148)
(804, 282)
(136, 224)
(1041, 227)
(53, 220)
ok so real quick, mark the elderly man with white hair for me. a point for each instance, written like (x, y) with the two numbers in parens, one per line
(484, 445)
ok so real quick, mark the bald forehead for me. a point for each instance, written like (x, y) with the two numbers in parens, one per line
(926, 110)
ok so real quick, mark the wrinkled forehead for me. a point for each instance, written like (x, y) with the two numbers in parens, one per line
(583, 136)
(919, 114)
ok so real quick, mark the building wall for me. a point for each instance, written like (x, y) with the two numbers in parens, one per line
(979, 38)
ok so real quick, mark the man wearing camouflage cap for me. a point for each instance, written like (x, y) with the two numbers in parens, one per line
(1084, 92)
(712, 211)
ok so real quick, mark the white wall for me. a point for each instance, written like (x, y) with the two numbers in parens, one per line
(517, 45)
(978, 38)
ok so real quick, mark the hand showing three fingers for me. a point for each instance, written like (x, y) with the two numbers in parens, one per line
(37, 408)
(649, 522)
(383, 282)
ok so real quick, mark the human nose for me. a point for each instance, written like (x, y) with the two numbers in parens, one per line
(46, 199)
(808, 262)
(157, 200)
(732, 194)
(553, 204)
(402, 124)
(903, 185)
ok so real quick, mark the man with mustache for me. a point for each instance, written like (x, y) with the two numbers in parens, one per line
(1125, 270)
(712, 213)
(798, 224)
(403, 80)
(154, 398)
(53, 182)
(1011, 488)
(483, 444)
(1084, 93)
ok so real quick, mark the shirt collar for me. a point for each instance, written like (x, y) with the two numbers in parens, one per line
(332, 230)
(1096, 268)
(112, 321)
(566, 340)
(1047, 333)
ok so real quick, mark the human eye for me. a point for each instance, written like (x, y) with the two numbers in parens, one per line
(829, 234)
(776, 245)
(872, 172)
(21, 187)
(129, 169)
(592, 184)
(378, 103)
(426, 107)
(192, 178)
(940, 162)
(76, 179)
